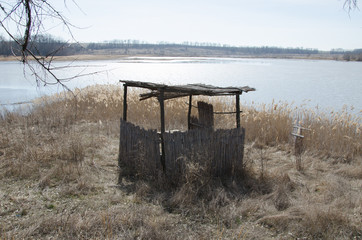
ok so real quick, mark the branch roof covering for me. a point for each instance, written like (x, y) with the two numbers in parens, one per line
(176, 91)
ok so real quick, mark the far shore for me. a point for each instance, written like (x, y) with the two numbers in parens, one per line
(69, 58)
(85, 57)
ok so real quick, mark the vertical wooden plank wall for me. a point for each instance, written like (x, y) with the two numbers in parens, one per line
(139, 150)
(221, 151)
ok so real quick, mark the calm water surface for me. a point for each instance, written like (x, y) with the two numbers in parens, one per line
(326, 84)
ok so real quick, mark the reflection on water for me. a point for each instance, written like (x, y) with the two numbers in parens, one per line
(326, 84)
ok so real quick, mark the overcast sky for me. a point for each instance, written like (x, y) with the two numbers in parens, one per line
(322, 24)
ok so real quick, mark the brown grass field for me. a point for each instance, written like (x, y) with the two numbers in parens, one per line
(59, 174)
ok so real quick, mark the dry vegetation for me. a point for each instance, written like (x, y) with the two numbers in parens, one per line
(58, 171)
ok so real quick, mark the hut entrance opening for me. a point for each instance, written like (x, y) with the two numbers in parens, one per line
(168, 152)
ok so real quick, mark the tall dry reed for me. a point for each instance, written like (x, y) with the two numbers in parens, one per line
(336, 134)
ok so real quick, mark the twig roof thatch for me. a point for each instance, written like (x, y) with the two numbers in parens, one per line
(176, 91)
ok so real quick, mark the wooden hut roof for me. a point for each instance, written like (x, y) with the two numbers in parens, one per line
(175, 91)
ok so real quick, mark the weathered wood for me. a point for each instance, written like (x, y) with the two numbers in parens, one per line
(148, 85)
(120, 152)
(206, 114)
(189, 113)
(237, 111)
(221, 151)
(194, 123)
(216, 112)
(298, 145)
(139, 150)
(162, 112)
(176, 91)
(297, 135)
(227, 112)
(124, 102)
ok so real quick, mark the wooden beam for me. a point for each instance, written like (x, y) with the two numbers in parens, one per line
(162, 111)
(189, 113)
(125, 102)
(226, 112)
(237, 111)
(120, 150)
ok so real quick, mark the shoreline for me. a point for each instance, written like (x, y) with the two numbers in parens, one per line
(95, 57)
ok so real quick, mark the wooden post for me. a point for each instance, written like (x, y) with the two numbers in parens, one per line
(298, 148)
(125, 102)
(189, 113)
(162, 111)
(298, 145)
(237, 110)
(120, 134)
(119, 152)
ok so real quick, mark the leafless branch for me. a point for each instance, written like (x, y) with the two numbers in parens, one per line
(350, 5)
(23, 21)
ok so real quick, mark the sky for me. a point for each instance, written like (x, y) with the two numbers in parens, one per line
(318, 24)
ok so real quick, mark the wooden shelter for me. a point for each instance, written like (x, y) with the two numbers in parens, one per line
(164, 92)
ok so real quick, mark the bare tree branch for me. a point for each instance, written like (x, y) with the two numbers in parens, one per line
(27, 29)
(23, 21)
(350, 5)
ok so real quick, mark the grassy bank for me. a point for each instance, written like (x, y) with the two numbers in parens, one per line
(58, 168)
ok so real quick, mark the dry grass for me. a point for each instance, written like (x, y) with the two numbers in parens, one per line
(58, 170)
(336, 134)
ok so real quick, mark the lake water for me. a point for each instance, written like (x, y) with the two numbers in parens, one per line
(328, 85)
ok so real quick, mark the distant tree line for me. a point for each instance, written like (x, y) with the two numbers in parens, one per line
(47, 45)
(42, 45)
(355, 55)
(135, 44)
